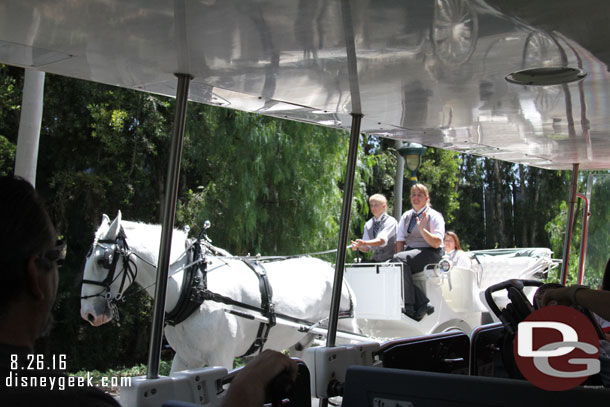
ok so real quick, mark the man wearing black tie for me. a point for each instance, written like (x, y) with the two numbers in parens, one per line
(379, 231)
(419, 242)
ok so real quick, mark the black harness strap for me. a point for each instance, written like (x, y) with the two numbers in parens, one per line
(119, 249)
(194, 284)
(267, 308)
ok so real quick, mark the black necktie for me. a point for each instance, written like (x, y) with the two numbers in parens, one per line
(377, 224)
(376, 227)
(413, 220)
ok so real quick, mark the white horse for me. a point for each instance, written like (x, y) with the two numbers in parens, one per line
(301, 288)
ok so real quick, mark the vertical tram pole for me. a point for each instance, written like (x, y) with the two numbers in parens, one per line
(569, 225)
(348, 193)
(169, 213)
(26, 158)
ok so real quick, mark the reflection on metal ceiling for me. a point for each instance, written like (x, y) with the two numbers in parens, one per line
(432, 72)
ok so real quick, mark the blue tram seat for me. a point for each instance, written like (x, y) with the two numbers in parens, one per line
(486, 343)
(378, 387)
(446, 352)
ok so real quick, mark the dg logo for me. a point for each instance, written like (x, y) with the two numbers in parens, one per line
(556, 348)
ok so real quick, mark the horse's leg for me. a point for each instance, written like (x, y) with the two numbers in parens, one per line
(222, 358)
(178, 364)
(348, 325)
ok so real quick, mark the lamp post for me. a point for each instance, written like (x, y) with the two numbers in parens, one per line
(412, 153)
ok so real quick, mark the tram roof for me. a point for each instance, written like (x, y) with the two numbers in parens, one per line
(431, 72)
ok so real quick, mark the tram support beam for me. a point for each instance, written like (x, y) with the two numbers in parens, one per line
(569, 224)
(348, 193)
(26, 158)
(167, 225)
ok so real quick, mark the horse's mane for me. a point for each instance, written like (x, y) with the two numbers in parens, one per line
(149, 236)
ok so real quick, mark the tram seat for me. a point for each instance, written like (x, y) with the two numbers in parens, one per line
(178, 403)
(486, 343)
(299, 393)
(376, 387)
(191, 386)
(446, 352)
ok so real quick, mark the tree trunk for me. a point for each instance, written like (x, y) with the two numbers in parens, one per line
(516, 215)
(535, 202)
(498, 204)
(523, 209)
(398, 182)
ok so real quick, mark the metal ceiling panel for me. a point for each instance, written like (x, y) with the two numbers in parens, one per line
(430, 71)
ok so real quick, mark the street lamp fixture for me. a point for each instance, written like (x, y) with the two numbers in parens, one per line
(412, 153)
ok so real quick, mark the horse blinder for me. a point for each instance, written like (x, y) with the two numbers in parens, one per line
(107, 260)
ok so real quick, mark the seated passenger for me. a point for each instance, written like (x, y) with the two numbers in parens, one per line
(248, 387)
(379, 231)
(596, 301)
(29, 262)
(454, 252)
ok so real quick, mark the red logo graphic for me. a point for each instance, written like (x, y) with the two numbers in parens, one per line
(556, 348)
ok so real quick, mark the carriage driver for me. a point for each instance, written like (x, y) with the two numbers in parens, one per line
(419, 242)
(379, 231)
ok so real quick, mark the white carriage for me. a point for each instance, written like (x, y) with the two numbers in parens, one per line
(455, 293)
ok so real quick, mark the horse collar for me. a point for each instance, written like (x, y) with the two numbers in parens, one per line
(194, 284)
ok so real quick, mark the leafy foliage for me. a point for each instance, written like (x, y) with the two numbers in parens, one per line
(598, 238)
(11, 81)
(254, 182)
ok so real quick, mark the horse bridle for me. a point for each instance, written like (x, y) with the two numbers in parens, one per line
(113, 251)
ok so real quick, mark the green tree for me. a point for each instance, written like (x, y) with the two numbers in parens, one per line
(598, 236)
(469, 222)
(440, 173)
(11, 81)
(268, 186)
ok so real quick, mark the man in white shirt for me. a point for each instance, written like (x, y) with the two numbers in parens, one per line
(379, 231)
(419, 242)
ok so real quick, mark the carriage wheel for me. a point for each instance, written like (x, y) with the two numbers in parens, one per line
(455, 31)
(539, 51)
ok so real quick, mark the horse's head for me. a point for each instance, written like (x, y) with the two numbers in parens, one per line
(107, 274)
